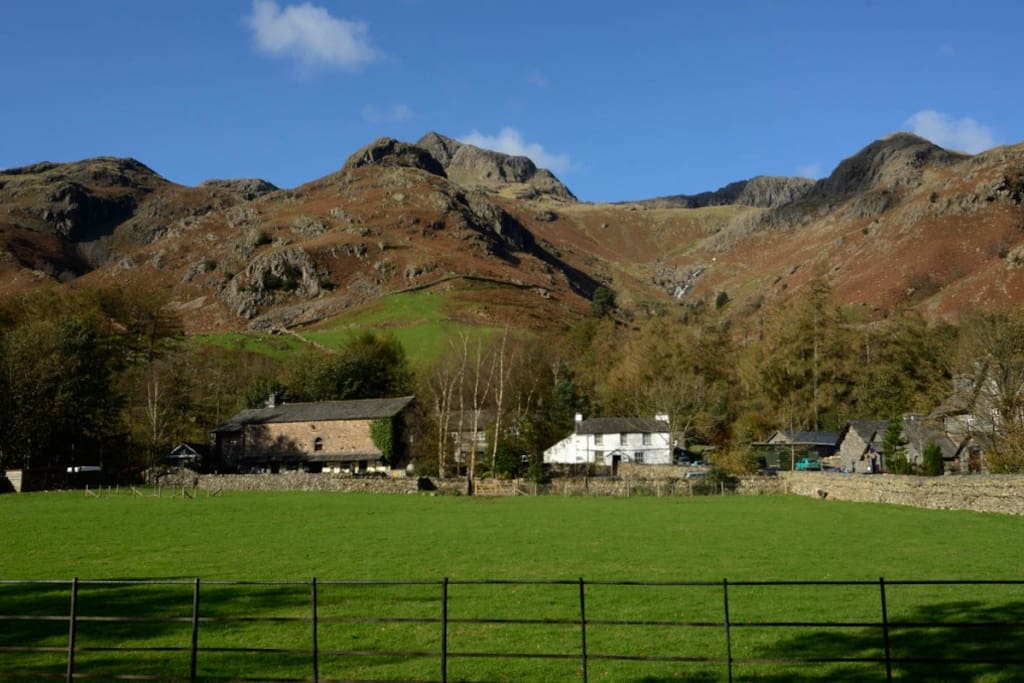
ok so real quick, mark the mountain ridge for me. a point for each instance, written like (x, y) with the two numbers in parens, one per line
(245, 254)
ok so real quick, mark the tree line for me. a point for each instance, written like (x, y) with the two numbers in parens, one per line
(91, 377)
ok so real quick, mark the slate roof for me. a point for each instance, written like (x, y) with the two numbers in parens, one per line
(920, 433)
(622, 425)
(804, 438)
(321, 411)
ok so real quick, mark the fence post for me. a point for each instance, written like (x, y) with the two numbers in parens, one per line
(728, 628)
(72, 614)
(583, 628)
(885, 631)
(444, 630)
(194, 653)
(316, 650)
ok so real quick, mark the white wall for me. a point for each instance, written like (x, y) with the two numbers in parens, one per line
(580, 449)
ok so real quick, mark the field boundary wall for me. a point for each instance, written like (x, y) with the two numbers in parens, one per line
(1002, 494)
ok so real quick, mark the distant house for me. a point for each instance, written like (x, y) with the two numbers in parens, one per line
(969, 417)
(608, 441)
(860, 443)
(861, 447)
(327, 436)
(920, 432)
(194, 456)
(787, 446)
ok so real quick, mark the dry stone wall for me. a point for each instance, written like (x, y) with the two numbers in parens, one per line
(982, 493)
(1003, 493)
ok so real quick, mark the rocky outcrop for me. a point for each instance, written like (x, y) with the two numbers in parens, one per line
(285, 272)
(895, 161)
(391, 152)
(872, 181)
(486, 169)
(246, 189)
(766, 192)
(78, 201)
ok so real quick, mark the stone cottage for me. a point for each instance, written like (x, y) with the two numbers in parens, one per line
(357, 437)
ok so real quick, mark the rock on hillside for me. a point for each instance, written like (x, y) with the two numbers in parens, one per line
(873, 180)
(764, 192)
(483, 168)
(245, 188)
(897, 160)
(77, 201)
(391, 152)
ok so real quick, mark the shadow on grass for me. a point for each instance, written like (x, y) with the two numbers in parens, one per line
(145, 629)
(961, 640)
(952, 641)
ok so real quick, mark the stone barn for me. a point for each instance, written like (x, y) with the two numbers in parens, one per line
(356, 437)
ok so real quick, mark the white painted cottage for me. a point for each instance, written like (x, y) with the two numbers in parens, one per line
(609, 441)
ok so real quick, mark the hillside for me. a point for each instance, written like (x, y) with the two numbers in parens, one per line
(900, 223)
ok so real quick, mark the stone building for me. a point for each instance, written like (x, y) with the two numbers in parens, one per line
(359, 436)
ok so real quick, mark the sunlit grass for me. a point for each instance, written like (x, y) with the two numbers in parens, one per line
(294, 537)
(419, 320)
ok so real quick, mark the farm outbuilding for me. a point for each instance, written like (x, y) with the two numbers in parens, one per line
(358, 436)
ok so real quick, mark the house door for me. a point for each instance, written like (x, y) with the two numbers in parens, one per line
(616, 459)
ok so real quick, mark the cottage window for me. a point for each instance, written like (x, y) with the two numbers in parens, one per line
(598, 456)
(622, 439)
(647, 439)
(638, 457)
(598, 439)
(318, 444)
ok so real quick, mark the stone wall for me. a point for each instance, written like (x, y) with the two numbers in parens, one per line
(981, 493)
(1003, 493)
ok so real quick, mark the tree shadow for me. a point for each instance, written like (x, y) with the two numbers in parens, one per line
(952, 641)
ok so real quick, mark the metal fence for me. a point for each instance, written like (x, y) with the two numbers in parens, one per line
(949, 628)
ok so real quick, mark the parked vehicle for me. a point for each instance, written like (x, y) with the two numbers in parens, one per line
(807, 465)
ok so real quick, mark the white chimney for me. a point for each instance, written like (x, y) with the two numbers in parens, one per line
(661, 417)
(579, 421)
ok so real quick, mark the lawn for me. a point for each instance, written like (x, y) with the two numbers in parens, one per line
(334, 537)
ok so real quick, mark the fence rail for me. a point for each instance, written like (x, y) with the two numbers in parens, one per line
(882, 641)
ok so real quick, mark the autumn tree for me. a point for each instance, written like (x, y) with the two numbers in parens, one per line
(670, 368)
(799, 362)
(991, 358)
(369, 365)
(903, 365)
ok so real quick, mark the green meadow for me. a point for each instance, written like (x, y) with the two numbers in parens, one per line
(646, 561)
(419, 320)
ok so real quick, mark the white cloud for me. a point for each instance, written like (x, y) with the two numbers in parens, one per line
(510, 141)
(961, 134)
(310, 34)
(812, 171)
(538, 80)
(397, 113)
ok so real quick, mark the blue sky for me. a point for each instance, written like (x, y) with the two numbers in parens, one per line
(622, 100)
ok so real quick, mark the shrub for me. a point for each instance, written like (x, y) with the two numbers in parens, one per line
(932, 457)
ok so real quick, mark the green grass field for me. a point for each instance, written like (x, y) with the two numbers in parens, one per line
(296, 536)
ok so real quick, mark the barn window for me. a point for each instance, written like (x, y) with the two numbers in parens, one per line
(318, 444)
